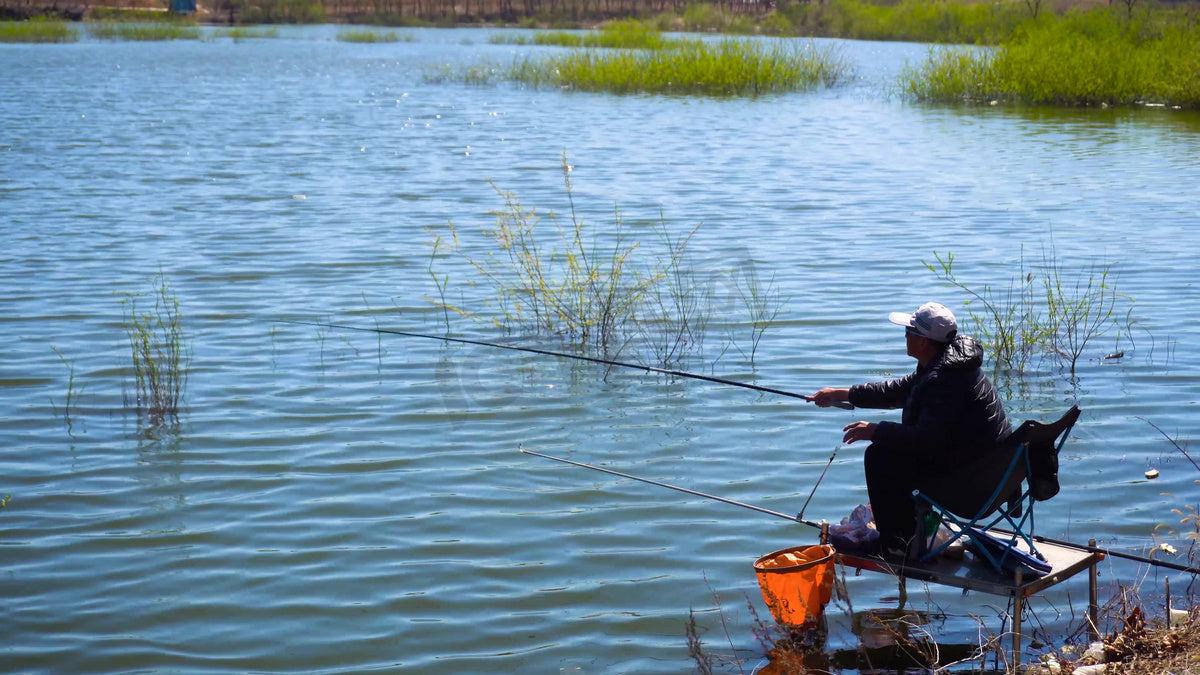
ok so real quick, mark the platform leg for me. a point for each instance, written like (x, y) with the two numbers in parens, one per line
(1093, 606)
(1018, 607)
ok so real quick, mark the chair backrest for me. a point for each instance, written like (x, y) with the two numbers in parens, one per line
(1042, 443)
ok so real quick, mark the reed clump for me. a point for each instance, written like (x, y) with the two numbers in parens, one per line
(37, 30)
(159, 353)
(619, 34)
(1045, 311)
(1093, 58)
(597, 287)
(910, 20)
(729, 67)
(371, 36)
(143, 32)
(240, 33)
(583, 287)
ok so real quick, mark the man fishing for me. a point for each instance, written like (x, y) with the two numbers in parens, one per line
(949, 442)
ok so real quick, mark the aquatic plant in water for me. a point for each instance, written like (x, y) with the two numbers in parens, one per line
(729, 67)
(619, 34)
(144, 32)
(1045, 310)
(159, 353)
(1095, 58)
(594, 286)
(37, 30)
(369, 36)
(73, 391)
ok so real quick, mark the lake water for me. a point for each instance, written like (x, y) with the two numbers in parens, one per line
(344, 502)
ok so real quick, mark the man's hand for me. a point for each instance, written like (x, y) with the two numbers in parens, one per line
(859, 431)
(829, 395)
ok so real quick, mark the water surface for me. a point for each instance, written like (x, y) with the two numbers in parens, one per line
(335, 502)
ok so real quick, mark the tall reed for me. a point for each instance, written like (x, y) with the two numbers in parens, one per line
(369, 36)
(73, 391)
(1046, 310)
(580, 287)
(37, 30)
(159, 352)
(240, 33)
(1090, 58)
(730, 67)
(620, 34)
(143, 32)
(596, 287)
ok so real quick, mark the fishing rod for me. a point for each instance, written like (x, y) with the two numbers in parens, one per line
(799, 518)
(769, 512)
(1118, 554)
(579, 357)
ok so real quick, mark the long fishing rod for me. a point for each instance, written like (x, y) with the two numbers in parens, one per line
(563, 355)
(799, 517)
(769, 512)
(1118, 554)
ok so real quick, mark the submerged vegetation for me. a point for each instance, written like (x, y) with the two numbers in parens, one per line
(1045, 311)
(159, 354)
(599, 288)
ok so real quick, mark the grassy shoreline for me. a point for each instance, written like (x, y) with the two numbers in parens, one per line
(1097, 58)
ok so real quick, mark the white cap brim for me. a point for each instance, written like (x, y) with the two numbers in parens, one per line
(903, 319)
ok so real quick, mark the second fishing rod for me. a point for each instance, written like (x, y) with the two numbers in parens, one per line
(564, 355)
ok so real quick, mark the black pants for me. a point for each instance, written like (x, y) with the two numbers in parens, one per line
(964, 490)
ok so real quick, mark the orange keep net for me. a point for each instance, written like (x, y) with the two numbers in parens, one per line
(796, 583)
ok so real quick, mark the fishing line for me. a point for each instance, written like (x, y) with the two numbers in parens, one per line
(579, 357)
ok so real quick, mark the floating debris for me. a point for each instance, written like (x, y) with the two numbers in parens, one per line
(1152, 474)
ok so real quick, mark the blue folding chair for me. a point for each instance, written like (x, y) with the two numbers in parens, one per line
(1031, 476)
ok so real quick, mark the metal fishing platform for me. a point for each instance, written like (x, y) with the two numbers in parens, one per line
(975, 574)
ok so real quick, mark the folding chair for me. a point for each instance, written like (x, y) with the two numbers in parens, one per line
(1034, 463)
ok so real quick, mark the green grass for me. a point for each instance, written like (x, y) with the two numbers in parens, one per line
(37, 30)
(143, 32)
(912, 20)
(368, 36)
(241, 33)
(623, 34)
(594, 285)
(159, 353)
(728, 67)
(1094, 58)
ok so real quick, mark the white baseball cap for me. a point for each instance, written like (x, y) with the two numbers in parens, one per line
(931, 320)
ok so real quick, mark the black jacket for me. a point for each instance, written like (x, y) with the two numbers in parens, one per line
(952, 414)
